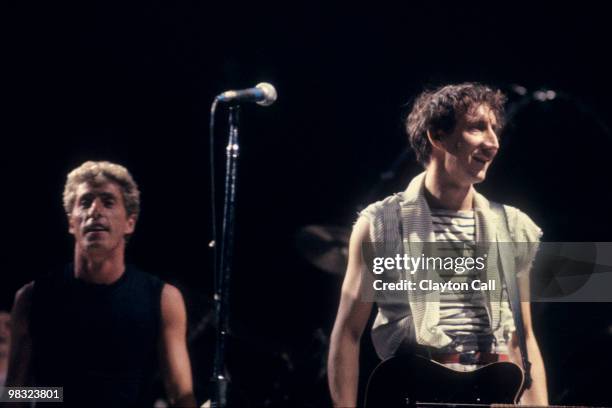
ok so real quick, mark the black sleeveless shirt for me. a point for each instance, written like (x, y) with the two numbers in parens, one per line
(99, 342)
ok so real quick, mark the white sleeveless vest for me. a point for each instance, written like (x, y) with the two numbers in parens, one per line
(402, 224)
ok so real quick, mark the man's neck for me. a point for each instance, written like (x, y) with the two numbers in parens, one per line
(99, 269)
(442, 192)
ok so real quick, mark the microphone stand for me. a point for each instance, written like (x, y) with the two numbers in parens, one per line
(220, 378)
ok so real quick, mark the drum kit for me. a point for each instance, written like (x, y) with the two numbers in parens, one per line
(325, 247)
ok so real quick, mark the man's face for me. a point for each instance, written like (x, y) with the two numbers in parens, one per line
(99, 220)
(470, 149)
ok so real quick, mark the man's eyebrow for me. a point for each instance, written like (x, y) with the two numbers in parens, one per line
(475, 121)
(107, 195)
(104, 195)
(479, 120)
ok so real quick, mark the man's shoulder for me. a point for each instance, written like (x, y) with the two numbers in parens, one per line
(22, 306)
(377, 208)
(171, 293)
(381, 217)
(52, 278)
(24, 294)
(138, 271)
(522, 227)
(142, 277)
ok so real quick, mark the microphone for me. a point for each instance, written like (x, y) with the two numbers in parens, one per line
(263, 94)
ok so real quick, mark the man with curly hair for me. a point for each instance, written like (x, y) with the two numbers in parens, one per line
(99, 327)
(453, 131)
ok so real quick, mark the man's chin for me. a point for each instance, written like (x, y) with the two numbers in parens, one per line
(478, 180)
(479, 177)
(94, 247)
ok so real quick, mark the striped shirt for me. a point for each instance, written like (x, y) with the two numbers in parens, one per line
(463, 316)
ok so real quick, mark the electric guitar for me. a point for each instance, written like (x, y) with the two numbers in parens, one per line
(412, 381)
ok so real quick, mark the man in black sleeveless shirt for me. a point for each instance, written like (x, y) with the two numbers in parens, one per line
(99, 328)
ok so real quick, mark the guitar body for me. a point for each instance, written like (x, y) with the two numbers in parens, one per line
(412, 381)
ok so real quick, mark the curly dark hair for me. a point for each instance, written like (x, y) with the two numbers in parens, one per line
(439, 109)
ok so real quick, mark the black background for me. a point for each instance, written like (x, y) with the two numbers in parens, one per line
(132, 82)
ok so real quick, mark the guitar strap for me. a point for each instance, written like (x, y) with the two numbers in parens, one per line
(505, 235)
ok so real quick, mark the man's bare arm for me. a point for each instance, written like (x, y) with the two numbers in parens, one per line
(353, 314)
(174, 357)
(20, 356)
(537, 394)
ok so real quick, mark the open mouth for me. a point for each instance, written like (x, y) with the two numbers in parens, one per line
(481, 160)
(95, 228)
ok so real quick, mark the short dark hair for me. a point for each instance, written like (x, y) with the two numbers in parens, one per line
(438, 110)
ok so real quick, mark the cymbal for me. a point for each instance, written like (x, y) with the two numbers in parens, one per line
(325, 247)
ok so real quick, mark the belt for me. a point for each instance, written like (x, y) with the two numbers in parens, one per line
(469, 358)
